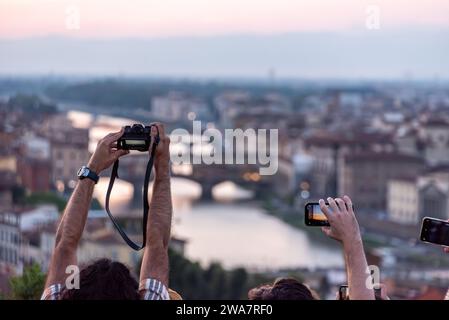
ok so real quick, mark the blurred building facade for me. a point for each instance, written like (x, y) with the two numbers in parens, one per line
(68, 150)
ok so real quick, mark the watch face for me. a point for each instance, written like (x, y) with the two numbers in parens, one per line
(82, 172)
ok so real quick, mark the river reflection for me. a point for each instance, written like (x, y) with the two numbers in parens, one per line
(234, 234)
(243, 235)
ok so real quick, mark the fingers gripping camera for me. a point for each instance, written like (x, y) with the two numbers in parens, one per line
(136, 137)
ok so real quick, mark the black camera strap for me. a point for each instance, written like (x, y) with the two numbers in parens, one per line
(146, 206)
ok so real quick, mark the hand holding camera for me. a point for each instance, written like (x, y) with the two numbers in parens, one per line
(142, 138)
(162, 158)
(106, 152)
(135, 137)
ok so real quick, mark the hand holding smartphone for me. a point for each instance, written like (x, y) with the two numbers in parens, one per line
(343, 292)
(314, 217)
(435, 231)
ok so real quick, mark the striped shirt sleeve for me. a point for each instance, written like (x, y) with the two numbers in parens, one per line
(53, 292)
(152, 289)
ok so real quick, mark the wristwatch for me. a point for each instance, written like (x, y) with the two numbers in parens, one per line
(85, 172)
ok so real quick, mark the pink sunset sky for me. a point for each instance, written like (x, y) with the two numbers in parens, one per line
(160, 18)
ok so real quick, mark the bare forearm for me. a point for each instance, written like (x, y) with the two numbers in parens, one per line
(356, 267)
(155, 259)
(72, 224)
(69, 232)
(159, 226)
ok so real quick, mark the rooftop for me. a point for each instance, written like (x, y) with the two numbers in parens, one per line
(384, 157)
(327, 138)
(405, 179)
(436, 122)
(443, 168)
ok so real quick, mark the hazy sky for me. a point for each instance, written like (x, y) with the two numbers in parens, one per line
(150, 18)
(297, 38)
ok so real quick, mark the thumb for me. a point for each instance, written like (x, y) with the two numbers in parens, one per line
(327, 231)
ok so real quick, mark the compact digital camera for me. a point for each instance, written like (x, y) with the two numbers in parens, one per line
(136, 137)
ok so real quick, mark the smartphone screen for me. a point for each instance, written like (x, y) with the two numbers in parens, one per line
(317, 214)
(435, 231)
(314, 216)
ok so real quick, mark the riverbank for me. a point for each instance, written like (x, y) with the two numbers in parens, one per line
(406, 253)
(243, 234)
(295, 218)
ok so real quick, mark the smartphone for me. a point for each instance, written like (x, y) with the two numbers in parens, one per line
(313, 216)
(343, 292)
(378, 293)
(435, 231)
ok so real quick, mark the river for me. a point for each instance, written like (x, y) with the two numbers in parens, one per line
(234, 234)
(244, 235)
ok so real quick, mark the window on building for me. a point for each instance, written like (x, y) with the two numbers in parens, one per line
(16, 239)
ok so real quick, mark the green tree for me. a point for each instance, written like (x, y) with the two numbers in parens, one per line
(18, 194)
(95, 204)
(32, 104)
(216, 279)
(238, 284)
(30, 285)
(195, 282)
(46, 198)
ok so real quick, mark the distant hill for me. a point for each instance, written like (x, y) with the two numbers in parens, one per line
(382, 54)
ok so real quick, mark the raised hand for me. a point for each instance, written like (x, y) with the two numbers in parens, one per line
(106, 152)
(343, 223)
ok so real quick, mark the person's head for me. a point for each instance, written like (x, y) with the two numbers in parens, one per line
(282, 289)
(104, 280)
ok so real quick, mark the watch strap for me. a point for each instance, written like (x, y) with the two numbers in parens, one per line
(90, 174)
(93, 176)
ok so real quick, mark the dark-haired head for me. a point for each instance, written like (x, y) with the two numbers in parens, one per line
(282, 289)
(104, 280)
